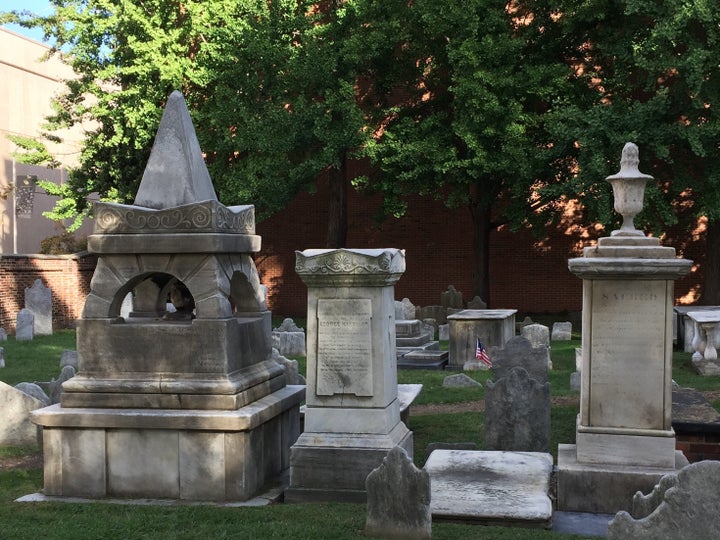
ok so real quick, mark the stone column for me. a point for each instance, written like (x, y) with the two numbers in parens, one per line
(625, 441)
(352, 416)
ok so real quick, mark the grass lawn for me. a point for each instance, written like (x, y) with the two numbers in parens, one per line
(39, 359)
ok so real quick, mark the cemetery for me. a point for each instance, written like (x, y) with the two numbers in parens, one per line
(182, 407)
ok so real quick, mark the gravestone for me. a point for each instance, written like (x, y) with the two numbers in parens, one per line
(2, 357)
(38, 299)
(459, 380)
(187, 405)
(289, 339)
(16, 428)
(439, 313)
(539, 337)
(476, 303)
(408, 309)
(517, 413)
(352, 414)
(69, 357)
(518, 352)
(493, 327)
(25, 325)
(444, 332)
(292, 371)
(624, 437)
(682, 505)
(398, 499)
(452, 298)
(34, 390)
(54, 387)
(3, 334)
(562, 331)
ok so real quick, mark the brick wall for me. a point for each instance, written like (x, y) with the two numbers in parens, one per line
(67, 276)
(699, 446)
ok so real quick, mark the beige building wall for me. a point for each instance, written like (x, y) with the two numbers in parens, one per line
(28, 82)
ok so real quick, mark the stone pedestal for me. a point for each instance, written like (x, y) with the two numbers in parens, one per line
(352, 417)
(625, 441)
(706, 329)
(494, 327)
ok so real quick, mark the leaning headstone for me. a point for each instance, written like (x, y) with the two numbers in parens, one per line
(69, 357)
(32, 389)
(3, 334)
(292, 372)
(24, 327)
(38, 299)
(444, 332)
(517, 413)
(408, 309)
(459, 380)
(452, 298)
(539, 337)
(477, 303)
(398, 499)
(16, 429)
(289, 339)
(518, 352)
(676, 509)
(562, 331)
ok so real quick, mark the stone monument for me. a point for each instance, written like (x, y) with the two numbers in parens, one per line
(352, 415)
(38, 299)
(625, 441)
(183, 405)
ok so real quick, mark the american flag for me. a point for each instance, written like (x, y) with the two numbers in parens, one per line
(482, 354)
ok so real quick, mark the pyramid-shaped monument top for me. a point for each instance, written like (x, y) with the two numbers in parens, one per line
(175, 174)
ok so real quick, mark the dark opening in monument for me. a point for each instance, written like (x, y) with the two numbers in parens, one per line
(158, 296)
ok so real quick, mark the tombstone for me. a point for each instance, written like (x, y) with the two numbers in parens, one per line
(680, 506)
(444, 332)
(186, 405)
(24, 327)
(399, 310)
(352, 416)
(398, 499)
(451, 298)
(2, 357)
(288, 339)
(562, 331)
(3, 334)
(38, 299)
(459, 380)
(539, 337)
(576, 376)
(477, 303)
(624, 437)
(525, 322)
(54, 387)
(16, 428)
(493, 327)
(34, 390)
(408, 309)
(430, 327)
(517, 413)
(518, 352)
(439, 313)
(292, 371)
(69, 357)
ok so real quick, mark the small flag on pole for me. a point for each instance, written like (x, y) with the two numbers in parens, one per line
(482, 354)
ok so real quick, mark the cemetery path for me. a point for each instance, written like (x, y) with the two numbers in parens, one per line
(477, 406)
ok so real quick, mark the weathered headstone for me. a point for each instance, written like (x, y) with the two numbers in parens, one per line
(24, 327)
(38, 299)
(2, 357)
(408, 309)
(69, 357)
(562, 331)
(399, 310)
(444, 332)
(459, 380)
(289, 339)
(54, 387)
(452, 298)
(291, 368)
(398, 499)
(681, 506)
(439, 313)
(477, 303)
(517, 413)
(34, 390)
(518, 352)
(539, 337)
(3, 334)
(16, 429)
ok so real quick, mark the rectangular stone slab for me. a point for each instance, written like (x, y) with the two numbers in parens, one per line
(504, 488)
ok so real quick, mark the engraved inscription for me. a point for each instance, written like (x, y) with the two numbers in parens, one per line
(344, 356)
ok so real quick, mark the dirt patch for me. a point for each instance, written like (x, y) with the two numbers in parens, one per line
(28, 462)
(477, 406)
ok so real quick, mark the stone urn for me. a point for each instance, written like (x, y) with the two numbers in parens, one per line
(629, 190)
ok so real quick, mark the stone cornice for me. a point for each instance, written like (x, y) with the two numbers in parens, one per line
(628, 268)
(350, 266)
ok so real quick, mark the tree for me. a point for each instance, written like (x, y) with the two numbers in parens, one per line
(650, 75)
(462, 113)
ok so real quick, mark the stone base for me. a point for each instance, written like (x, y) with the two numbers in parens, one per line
(332, 467)
(491, 487)
(626, 448)
(603, 488)
(706, 367)
(189, 455)
(428, 359)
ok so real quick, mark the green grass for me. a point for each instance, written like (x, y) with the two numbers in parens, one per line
(39, 360)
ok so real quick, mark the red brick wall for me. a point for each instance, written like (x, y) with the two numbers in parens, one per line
(67, 276)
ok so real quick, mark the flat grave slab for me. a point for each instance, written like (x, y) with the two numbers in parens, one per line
(492, 487)
(427, 359)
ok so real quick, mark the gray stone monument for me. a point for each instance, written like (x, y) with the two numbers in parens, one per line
(289, 339)
(519, 352)
(625, 441)
(16, 429)
(398, 499)
(352, 416)
(24, 326)
(38, 299)
(185, 405)
(539, 337)
(681, 506)
(452, 298)
(517, 413)
(562, 331)
(493, 327)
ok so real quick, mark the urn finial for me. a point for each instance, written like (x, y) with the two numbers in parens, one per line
(629, 190)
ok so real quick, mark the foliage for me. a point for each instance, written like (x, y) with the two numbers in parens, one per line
(62, 243)
(31, 151)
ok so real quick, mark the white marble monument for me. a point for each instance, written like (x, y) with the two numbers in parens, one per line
(625, 441)
(352, 417)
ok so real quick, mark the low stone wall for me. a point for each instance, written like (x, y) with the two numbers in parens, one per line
(67, 276)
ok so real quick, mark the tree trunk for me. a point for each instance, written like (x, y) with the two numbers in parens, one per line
(711, 273)
(482, 226)
(337, 207)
